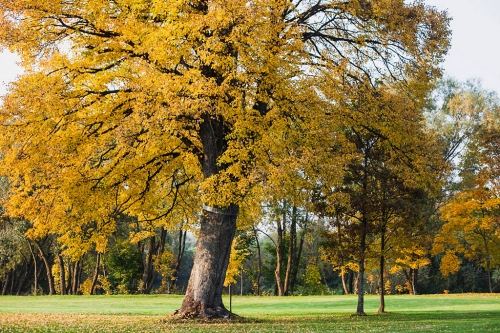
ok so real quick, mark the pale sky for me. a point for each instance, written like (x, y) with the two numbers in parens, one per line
(474, 53)
(475, 43)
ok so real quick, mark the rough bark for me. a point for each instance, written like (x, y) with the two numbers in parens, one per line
(204, 292)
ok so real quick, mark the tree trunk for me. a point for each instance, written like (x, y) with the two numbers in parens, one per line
(360, 311)
(62, 275)
(259, 258)
(381, 308)
(96, 273)
(158, 252)
(489, 276)
(12, 282)
(346, 286)
(148, 266)
(50, 278)
(279, 257)
(217, 227)
(35, 267)
(414, 281)
(76, 277)
(350, 277)
(6, 283)
(488, 261)
(22, 280)
(295, 268)
(204, 292)
(411, 278)
(241, 282)
(291, 252)
(180, 254)
(69, 282)
(345, 290)
(355, 282)
(361, 278)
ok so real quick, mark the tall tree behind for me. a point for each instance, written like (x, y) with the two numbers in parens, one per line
(391, 157)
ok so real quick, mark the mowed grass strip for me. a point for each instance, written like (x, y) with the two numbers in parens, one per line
(149, 313)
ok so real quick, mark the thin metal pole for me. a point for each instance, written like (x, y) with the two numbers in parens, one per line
(230, 302)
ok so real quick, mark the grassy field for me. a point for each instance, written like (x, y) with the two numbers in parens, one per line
(149, 313)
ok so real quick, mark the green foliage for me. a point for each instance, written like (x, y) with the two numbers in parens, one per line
(496, 276)
(13, 244)
(312, 282)
(125, 265)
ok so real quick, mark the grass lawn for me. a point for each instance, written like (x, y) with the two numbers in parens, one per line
(149, 313)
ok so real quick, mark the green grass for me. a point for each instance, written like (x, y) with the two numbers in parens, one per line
(149, 313)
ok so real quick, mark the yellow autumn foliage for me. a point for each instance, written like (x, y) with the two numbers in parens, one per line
(449, 263)
(470, 228)
(106, 121)
(236, 261)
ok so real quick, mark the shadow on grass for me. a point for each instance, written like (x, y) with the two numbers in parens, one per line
(434, 317)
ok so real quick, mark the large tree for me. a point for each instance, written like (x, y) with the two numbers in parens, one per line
(126, 102)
